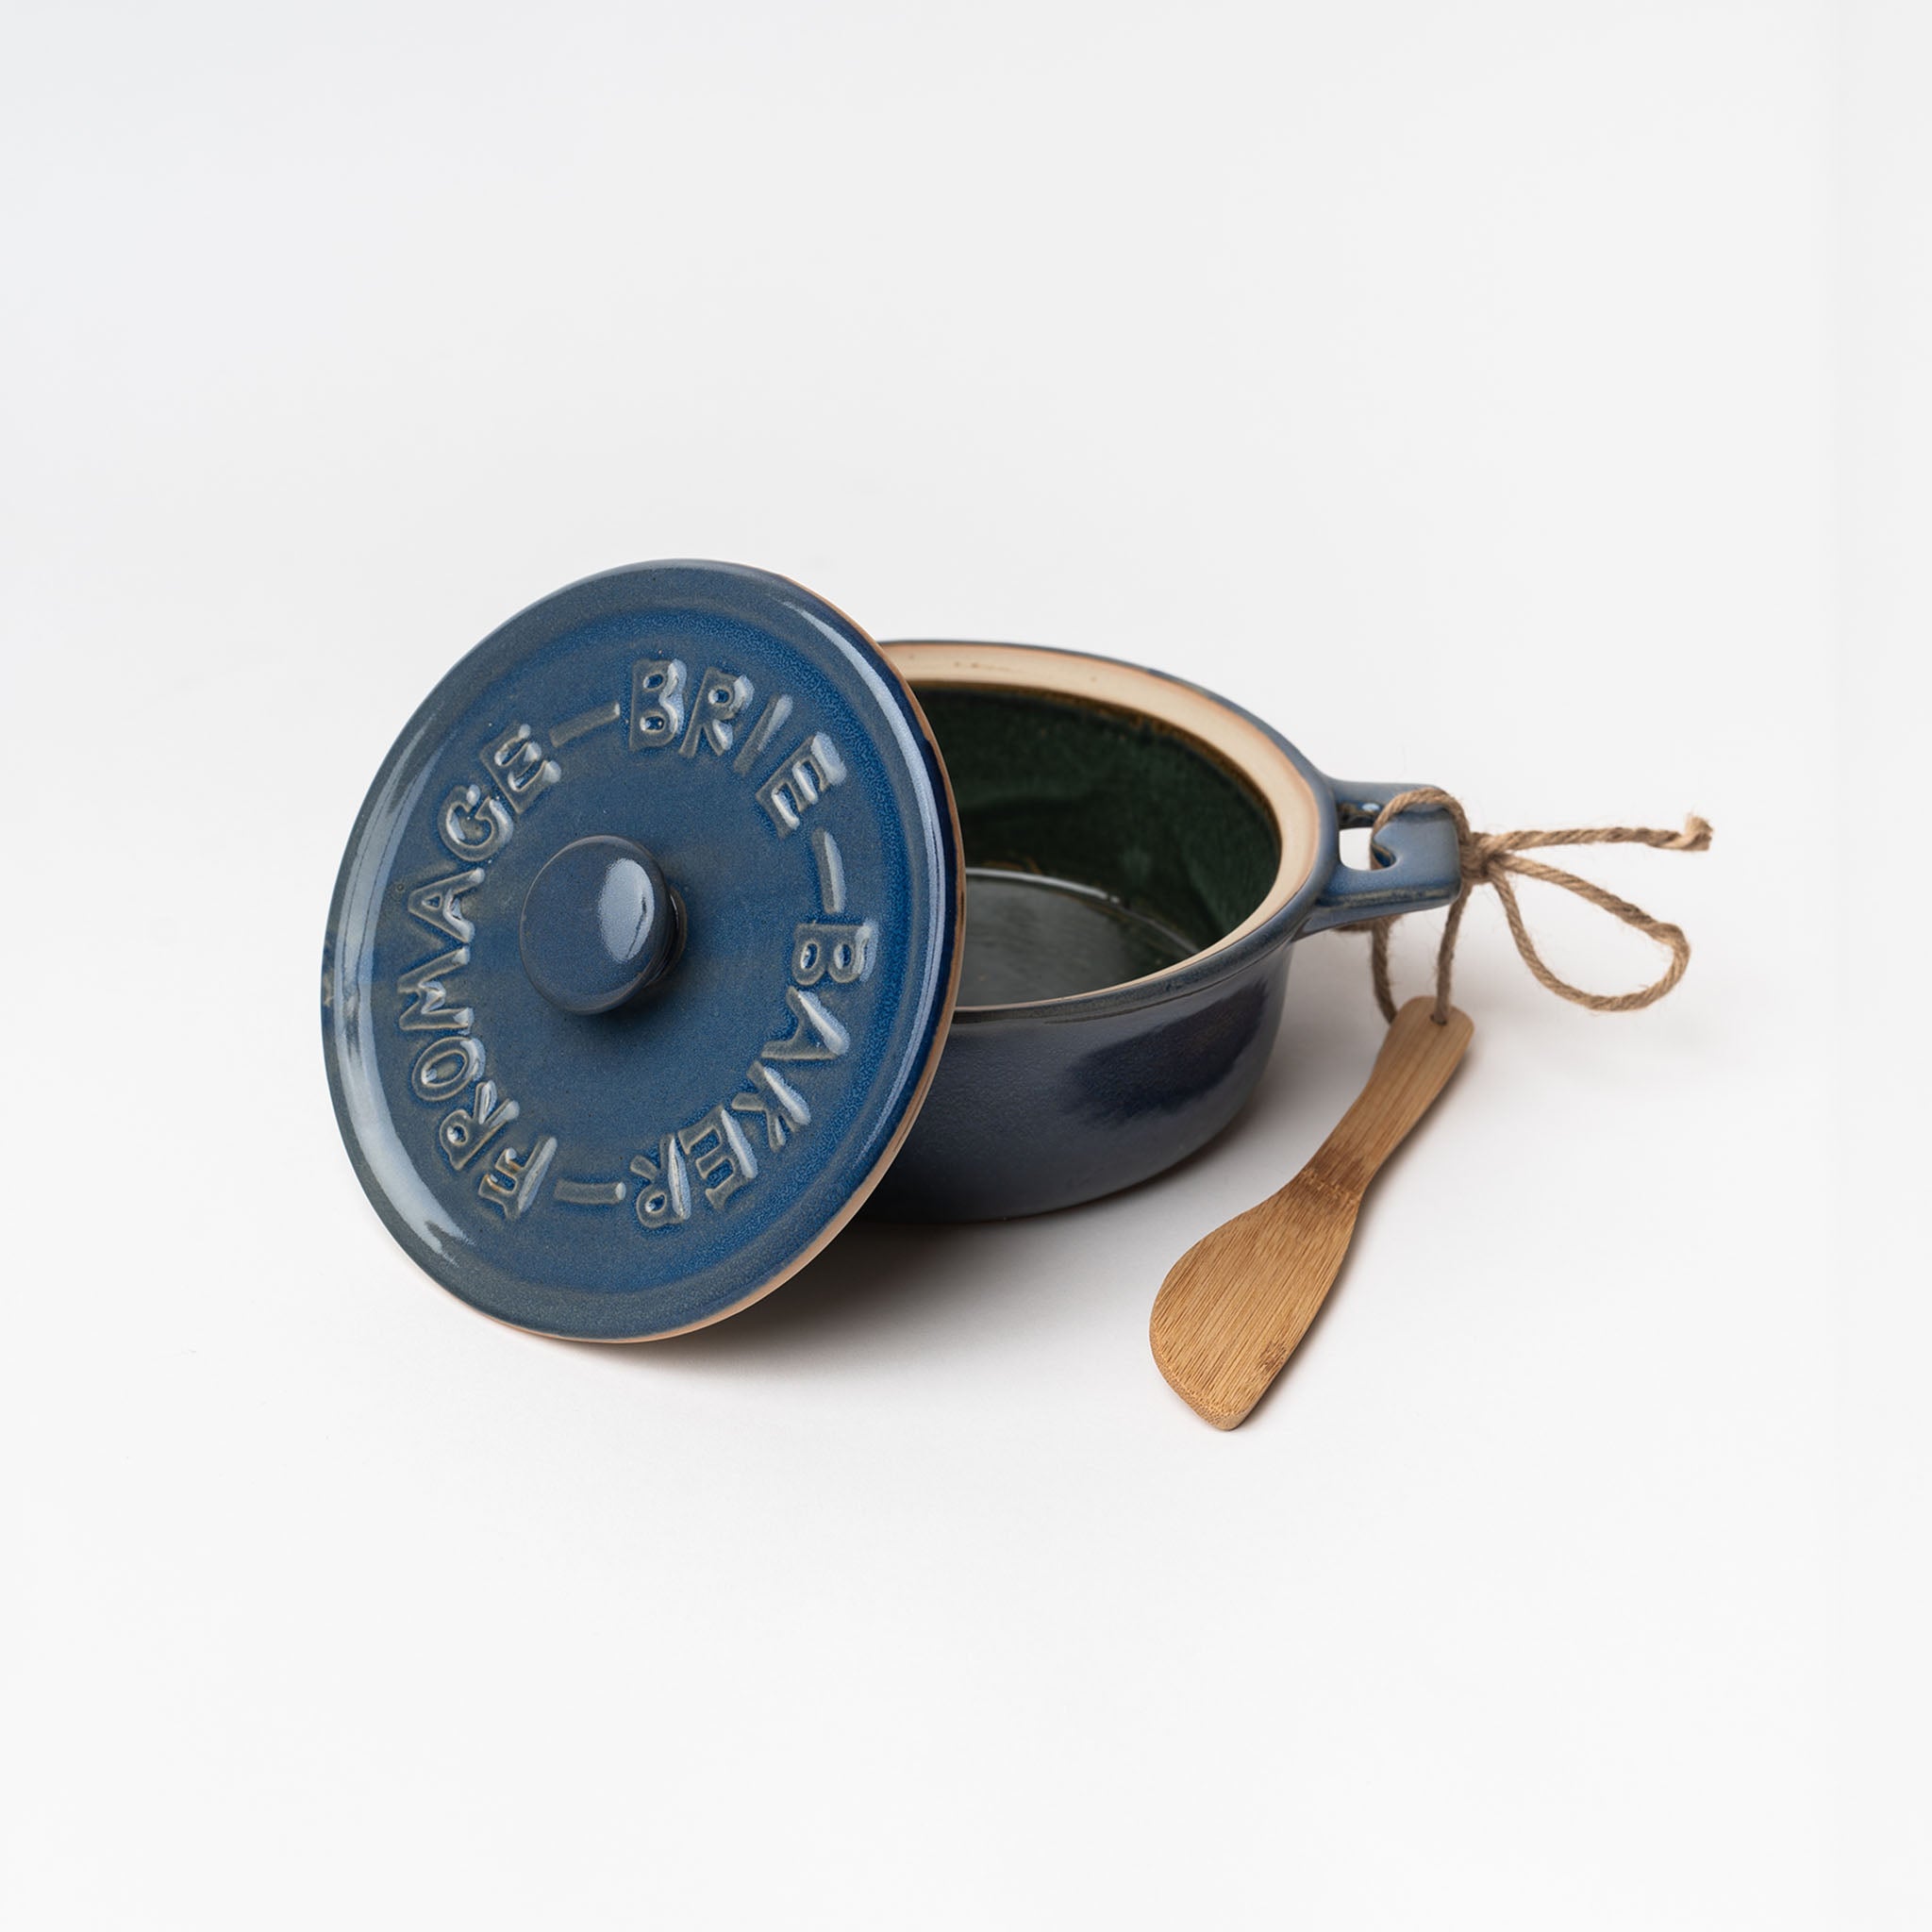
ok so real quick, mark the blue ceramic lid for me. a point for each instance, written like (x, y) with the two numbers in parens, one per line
(642, 951)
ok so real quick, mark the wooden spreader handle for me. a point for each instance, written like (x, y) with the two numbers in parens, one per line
(1233, 1307)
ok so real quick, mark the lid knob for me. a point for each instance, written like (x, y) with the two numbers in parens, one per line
(599, 925)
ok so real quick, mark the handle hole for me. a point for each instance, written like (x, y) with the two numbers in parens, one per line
(1353, 844)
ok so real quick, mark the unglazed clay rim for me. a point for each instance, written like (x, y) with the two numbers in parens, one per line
(1299, 806)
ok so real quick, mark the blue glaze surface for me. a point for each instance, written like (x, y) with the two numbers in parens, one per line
(620, 1173)
(1033, 1110)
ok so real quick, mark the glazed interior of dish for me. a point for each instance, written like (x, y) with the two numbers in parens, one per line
(1104, 843)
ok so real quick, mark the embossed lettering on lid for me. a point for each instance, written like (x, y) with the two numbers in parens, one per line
(642, 951)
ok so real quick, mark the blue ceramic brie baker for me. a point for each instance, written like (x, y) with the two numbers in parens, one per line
(682, 919)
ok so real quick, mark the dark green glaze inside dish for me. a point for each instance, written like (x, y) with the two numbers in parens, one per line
(1101, 846)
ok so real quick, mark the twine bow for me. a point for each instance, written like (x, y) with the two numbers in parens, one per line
(1490, 858)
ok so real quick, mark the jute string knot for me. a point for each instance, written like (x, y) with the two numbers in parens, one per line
(1495, 859)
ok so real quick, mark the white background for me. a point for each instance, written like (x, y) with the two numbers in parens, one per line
(1458, 385)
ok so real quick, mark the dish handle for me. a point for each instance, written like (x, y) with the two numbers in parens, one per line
(1419, 864)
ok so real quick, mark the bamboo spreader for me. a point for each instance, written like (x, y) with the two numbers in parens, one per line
(1233, 1306)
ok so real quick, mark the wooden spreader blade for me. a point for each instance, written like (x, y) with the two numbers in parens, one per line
(1233, 1306)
